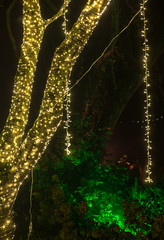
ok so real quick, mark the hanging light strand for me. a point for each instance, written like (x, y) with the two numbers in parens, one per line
(64, 25)
(146, 91)
(68, 119)
(68, 95)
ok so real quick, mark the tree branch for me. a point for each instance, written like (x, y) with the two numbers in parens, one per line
(9, 27)
(13, 131)
(51, 111)
(59, 14)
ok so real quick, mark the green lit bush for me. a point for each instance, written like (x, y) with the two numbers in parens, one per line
(152, 198)
(80, 198)
(103, 194)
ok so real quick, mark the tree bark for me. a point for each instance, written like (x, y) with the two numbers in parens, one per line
(13, 131)
(51, 112)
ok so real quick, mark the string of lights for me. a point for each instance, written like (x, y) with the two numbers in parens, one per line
(11, 136)
(64, 25)
(33, 29)
(51, 111)
(153, 120)
(68, 117)
(68, 96)
(146, 91)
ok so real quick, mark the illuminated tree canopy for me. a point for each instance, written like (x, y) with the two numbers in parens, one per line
(20, 153)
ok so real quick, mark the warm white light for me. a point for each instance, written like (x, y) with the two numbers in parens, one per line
(68, 95)
(20, 152)
(146, 91)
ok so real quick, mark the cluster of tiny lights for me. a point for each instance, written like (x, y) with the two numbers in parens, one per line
(19, 153)
(153, 120)
(68, 96)
(146, 91)
(68, 118)
(64, 25)
(18, 116)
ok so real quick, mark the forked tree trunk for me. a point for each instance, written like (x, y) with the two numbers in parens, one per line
(20, 156)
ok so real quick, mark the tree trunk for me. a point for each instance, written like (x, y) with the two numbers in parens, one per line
(50, 116)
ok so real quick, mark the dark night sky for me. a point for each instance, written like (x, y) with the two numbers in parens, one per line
(128, 137)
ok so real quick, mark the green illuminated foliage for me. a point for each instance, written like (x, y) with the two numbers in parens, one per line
(102, 192)
(75, 197)
(150, 197)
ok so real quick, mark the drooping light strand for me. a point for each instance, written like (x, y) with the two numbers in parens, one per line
(68, 96)
(140, 122)
(64, 25)
(146, 91)
(68, 118)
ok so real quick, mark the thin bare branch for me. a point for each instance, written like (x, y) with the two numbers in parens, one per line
(8, 22)
(59, 14)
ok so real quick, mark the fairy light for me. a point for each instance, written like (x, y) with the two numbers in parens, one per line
(33, 30)
(64, 25)
(140, 122)
(68, 117)
(68, 96)
(146, 91)
(33, 26)
(24, 156)
(11, 136)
